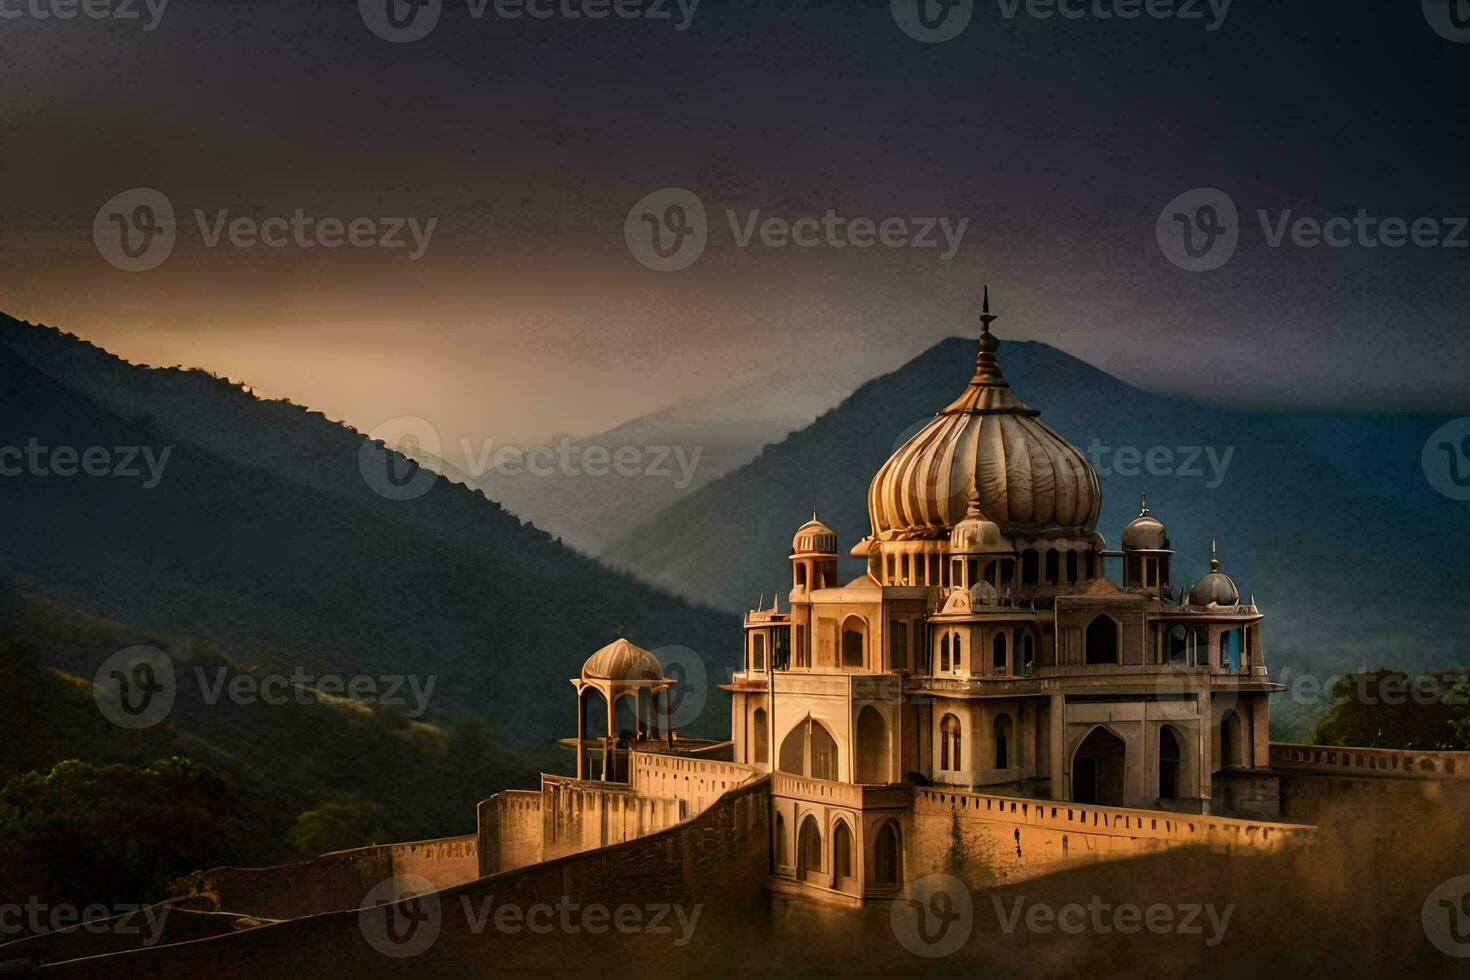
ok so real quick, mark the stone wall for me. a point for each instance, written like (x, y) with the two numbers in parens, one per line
(993, 840)
(579, 814)
(509, 830)
(695, 782)
(1353, 761)
(333, 881)
(713, 868)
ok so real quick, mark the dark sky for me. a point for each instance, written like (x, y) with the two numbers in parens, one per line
(1059, 140)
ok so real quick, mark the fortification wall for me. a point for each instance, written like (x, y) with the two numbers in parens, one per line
(579, 815)
(509, 830)
(324, 884)
(996, 839)
(1387, 763)
(712, 867)
(695, 782)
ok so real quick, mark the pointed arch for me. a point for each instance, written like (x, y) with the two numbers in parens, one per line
(1099, 767)
(842, 863)
(809, 750)
(854, 641)
(808, 849)
(887, 864)
(1103, 640)
(872, 747)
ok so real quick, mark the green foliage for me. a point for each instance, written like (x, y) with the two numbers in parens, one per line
(1385, 708)
(336, 826)
(81, 833)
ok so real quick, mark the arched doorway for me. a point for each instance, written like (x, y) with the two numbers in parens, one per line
(887, 855)
(854, 636)
(809, 750)
(1098, 768)
(1169, 757)
(1003, 741)
(760, 742)
(841, 854)
(872, 747)
(808, 849)
(1233, 741)
(1102, 640)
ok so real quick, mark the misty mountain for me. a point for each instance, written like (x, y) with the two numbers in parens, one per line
(261, 532)
(591, 499)
(1329, 521)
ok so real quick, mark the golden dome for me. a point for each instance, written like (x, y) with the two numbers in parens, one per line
(622, 661)
(988, 444)
(814, 537)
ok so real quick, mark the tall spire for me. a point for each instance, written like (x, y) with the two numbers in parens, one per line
(1214, 557)
(987, 369)
(1143, 505)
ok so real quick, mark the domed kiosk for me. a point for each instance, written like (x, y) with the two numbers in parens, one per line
(620, 672)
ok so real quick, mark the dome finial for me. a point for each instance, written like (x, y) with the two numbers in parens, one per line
(986, 317)
(1214, 557)
(1143, 505)
(987, 369)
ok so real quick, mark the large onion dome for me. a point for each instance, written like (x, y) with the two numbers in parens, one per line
(1214, 586)
(989, 444)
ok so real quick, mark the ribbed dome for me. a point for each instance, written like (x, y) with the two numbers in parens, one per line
(989, 444)
(814, 537)
(1214, 587)
(1145, 532)
(975, 535)
(622, 661)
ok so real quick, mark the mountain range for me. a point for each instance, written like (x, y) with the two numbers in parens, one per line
(262, 534)
(1328, 520)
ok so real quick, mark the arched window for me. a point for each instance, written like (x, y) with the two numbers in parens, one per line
(1233, 740)
(944, 653)
(1176, 640)
(809, 750)
(949, 744)
(1028, 653)
(853, 632)
(1030, 567)
(872, 746)
(887, 854)
(1071, 566)
(1002, 741)
(841, 853)
(801, 575)
(957, 660)
(998, 653)
(808, 849)
(758, 652)
(1102, 640)
(1053, 566)
(759, 738)
(1168, 764)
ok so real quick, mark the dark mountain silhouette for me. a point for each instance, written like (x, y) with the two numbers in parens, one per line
(264, 535)
(1329, 521)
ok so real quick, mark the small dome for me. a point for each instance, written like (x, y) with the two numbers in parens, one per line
(622, 661)
(1215, 587)
(814, 538)
(1145, 532)
(983, 594)
(976, 535)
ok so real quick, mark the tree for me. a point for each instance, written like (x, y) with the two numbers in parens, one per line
(336, 826)
(1384, 708)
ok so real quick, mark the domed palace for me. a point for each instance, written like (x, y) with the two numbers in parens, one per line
(987, 647)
